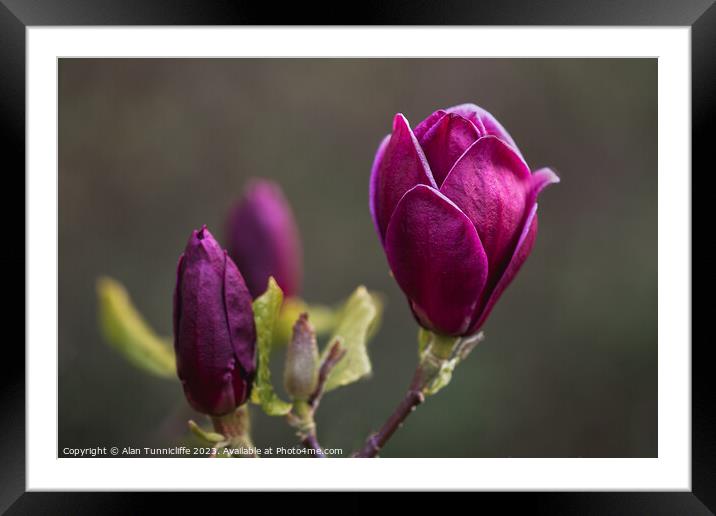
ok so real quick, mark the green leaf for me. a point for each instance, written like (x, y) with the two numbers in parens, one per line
(355, 323)
(206, 435)
(125, 329)
(266, 311)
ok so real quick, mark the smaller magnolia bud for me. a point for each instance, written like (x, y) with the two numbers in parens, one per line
(301, 370)
(263, 239)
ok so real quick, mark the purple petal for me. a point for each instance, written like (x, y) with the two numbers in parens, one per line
(401, 167)
(373, 185)
(424, 126)
(540, 180)
(437, 259)
(484, 121)
(445, 142)
(490, 183)
(522, 251)
(240, 318)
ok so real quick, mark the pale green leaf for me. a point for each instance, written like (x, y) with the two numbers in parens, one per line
(355, 323)
(206, 435)
(266, 311)
(125, 329)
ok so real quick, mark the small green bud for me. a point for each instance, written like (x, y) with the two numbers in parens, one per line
(301, 370)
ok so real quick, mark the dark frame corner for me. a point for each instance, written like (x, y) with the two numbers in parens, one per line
(17, 15)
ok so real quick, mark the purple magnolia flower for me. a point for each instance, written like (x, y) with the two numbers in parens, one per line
(263, 239)
(214, 332)
(454, 205)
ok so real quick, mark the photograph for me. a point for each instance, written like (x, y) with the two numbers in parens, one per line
(453, 238)
(357, 257)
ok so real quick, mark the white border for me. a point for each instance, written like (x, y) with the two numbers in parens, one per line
(670, 471)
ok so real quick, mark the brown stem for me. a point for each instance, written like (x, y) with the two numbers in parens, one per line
(439, 352)
(412, 399)
(335, 354)
(311, 442)
(303, 412)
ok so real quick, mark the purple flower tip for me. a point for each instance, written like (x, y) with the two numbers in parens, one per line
(454, 205)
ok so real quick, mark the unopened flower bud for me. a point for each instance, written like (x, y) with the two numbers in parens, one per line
(214, 332)
(301, 370)
(263, 239)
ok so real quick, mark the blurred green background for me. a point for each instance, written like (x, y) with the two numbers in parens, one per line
(151, 149)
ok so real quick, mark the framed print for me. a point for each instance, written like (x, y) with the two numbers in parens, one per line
(454, 242)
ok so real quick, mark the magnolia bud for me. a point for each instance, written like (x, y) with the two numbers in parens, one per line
(263, 239)
(301, 370)
(214, 331)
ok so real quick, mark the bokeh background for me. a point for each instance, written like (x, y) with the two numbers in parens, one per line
(151, 149)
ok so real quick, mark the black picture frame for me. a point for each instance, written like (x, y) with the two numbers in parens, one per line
(17, 15)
